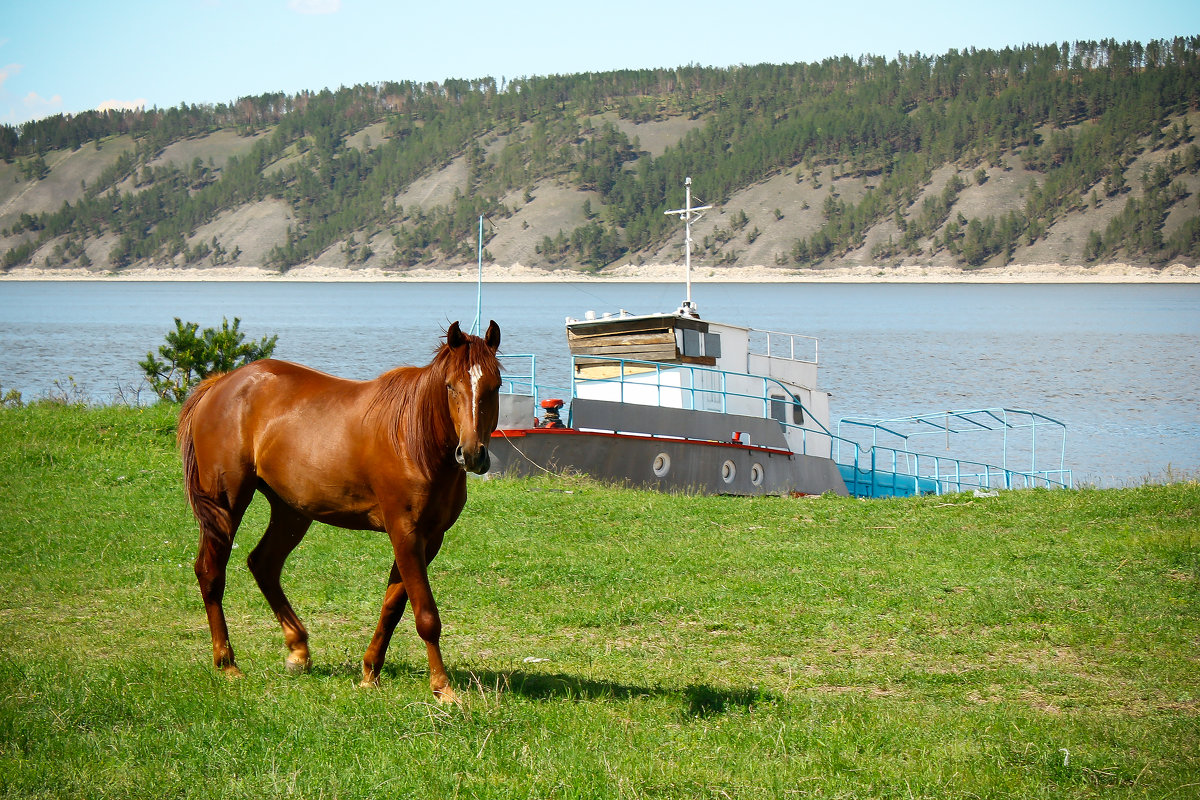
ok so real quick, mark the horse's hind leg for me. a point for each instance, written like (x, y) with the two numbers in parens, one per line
(393, 608)
(219, 522)
(284, 532)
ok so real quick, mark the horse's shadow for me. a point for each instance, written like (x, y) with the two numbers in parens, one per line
(696, 700)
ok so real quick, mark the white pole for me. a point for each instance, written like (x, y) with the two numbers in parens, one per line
(479, 285)
(687, 238)
(688, 215)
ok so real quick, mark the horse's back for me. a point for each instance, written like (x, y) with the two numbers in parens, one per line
(261, 386)
(244, 414)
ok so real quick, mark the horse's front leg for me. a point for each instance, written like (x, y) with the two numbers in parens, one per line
(413, 552)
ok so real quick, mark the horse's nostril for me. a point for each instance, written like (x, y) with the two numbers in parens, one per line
(477, 460)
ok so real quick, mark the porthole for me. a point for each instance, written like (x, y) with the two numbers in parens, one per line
(728, 471)
(662, 465)
(756, 474)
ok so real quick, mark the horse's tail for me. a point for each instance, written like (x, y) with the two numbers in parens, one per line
(202, 505)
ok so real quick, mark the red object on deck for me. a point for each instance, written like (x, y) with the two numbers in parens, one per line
(551, 418)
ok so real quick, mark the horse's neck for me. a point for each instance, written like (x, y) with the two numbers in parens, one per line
(431, 404)
(410, 405)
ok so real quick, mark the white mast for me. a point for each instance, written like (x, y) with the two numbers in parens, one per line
(688, 215)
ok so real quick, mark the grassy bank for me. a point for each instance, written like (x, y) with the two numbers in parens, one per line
(609, 643)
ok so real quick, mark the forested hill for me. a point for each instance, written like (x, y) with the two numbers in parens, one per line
(1071, 153)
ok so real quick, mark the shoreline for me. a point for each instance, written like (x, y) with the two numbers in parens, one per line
(645, 273)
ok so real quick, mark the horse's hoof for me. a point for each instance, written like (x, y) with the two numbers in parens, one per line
(446, 695)
(298, 666)
(369, 683)
(232, 672)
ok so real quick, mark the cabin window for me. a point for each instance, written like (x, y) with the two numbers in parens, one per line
(699, 343)
(712, 345)
(780, 406)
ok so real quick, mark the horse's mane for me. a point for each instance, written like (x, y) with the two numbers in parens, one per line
(411, 402)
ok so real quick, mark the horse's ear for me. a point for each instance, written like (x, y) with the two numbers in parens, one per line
(454, 336)
(492, 337)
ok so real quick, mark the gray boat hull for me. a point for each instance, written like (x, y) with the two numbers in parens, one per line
(663, 464)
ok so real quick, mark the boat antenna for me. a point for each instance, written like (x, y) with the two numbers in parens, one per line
(689, 215)
(479, 286)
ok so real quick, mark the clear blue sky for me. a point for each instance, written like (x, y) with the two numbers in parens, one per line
(63, 56)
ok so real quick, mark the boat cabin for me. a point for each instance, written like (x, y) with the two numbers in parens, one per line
(679, 361)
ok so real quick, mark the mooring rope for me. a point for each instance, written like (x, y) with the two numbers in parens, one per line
(521, 453)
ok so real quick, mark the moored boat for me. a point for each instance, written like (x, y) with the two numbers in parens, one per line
(672, 401)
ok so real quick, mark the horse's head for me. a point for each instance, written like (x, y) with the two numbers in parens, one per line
(473, 389)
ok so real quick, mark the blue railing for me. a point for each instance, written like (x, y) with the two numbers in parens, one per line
(518, 375)
(629, 369)
(717, 392)
(879, 470)
(886, 472)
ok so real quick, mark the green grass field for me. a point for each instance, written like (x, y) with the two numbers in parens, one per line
(609, 643)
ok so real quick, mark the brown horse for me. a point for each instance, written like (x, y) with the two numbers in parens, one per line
(386, 455)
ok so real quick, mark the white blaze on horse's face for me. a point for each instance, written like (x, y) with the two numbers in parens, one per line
(476, 373)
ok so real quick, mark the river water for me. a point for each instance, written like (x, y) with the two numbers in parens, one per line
(1119, 364)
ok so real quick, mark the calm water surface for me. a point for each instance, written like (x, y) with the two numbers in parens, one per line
(1120, 364)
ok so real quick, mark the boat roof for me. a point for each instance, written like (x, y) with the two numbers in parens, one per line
(609, 318)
